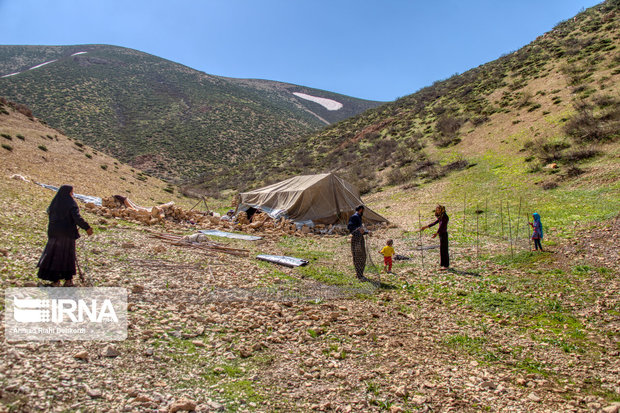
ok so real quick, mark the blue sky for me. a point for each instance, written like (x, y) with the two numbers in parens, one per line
(377, 50)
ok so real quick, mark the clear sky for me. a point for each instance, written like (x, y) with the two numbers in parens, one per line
(372, 49)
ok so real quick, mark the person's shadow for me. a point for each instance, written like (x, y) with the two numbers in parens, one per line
(463, 272)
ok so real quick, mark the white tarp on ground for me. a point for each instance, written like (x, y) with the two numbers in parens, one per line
(84, 198)
(233, 235)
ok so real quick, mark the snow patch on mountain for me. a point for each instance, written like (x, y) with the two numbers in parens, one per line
(43, 64)
(75, 54)
(328, 104)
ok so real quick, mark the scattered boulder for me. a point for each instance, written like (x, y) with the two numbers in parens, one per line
(184, 405)
(110, 351)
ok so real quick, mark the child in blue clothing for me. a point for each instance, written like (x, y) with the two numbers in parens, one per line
(538, 231)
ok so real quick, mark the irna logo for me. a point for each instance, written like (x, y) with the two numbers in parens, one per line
(59, 310)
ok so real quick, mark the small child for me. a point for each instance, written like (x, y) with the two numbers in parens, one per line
(538, 231)
(387, 252)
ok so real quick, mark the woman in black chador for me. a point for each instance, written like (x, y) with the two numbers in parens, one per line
(442, 231)
(58, 259)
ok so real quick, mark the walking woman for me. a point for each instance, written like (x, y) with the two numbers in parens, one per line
(358, 245)
(58, 259)
(442, 231)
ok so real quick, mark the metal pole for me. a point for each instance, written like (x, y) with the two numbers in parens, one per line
(512, 254)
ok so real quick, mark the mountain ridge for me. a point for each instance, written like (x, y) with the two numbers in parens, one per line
(159, 115)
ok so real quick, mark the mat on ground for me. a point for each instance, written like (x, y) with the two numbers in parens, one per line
(84, 198)
(283, 260)
(233, 235)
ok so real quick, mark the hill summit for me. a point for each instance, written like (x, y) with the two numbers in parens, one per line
(553, 101)
(161, 116)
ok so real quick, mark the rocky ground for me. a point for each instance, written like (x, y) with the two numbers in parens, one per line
(216, 332)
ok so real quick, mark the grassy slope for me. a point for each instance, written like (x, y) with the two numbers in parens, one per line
(527, 95)
(158, 115)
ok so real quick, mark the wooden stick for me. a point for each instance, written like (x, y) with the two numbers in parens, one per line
(501, 217)
(421, 249)
(512, 254)
(518, 221)
(464, 205)
(477, 239)
(529, 234)
(486, 214)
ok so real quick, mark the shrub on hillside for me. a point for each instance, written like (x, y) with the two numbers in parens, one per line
(7, 147)
(449, 125)
(586, 127)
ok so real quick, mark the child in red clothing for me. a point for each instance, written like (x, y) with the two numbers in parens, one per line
(387, 252)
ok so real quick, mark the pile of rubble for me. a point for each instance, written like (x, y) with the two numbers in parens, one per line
(121, 207)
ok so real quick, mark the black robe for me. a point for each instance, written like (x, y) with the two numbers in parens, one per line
(58, 258)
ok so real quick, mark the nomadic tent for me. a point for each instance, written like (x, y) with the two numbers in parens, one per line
(309, 199)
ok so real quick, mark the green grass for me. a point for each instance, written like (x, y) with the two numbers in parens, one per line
(502, 303)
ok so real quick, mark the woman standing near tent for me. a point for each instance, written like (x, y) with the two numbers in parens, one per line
(442, 231)
(358, 245)
(58, 259)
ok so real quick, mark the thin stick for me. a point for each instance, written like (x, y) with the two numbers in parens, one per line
(529, 234)
(486, 214)
(477, 239)
(421, 249)
(464, 205)
(518, 221)
(512, 253)
(501, 216)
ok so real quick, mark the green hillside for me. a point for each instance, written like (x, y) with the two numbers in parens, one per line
(163, 117)
(555, 100)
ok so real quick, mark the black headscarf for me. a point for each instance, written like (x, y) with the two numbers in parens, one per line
(62, 203)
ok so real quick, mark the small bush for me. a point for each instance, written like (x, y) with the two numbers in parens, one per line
(7, 147)
(88, 155)
(43, 148)
(585, 127)
(549, 185)
(574, 171)
(6, 136)
(534, 107)
(580, 154)
(104, 167)
(79, 144)
(21, 137)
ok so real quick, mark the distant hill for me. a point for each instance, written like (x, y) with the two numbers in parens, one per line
(39, 153)
(166, 118)
(555, 100)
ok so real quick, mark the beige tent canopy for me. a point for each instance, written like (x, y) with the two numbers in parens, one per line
(321, 199)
